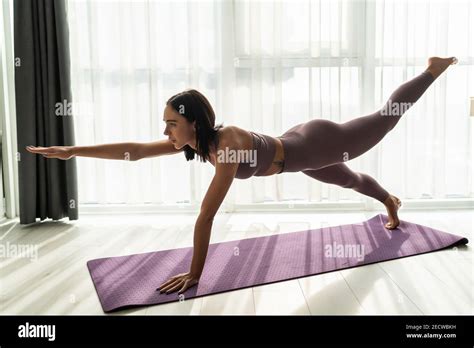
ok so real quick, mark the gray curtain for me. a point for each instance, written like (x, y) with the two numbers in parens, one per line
(47, 187)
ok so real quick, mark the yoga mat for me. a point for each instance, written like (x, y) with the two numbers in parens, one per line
(129, 281)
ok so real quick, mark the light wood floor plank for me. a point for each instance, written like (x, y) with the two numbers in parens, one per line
(57, 281)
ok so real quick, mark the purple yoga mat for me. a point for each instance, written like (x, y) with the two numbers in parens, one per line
(128, 281)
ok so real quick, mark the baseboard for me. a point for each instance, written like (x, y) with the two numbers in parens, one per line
(293, 206)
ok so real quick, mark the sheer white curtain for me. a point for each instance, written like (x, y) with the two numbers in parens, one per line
(128, 58)
(432, 148)
(266, 66)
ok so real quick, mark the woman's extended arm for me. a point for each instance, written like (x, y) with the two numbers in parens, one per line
(117, 151)
(129, 151)
(225, 173)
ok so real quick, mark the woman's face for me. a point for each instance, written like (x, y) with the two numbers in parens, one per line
(178, 129)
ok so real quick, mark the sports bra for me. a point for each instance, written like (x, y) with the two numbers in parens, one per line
(259, 160)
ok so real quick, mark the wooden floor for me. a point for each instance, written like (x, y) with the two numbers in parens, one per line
(56, 279)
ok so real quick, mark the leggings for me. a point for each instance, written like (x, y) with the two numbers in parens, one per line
(319, 147)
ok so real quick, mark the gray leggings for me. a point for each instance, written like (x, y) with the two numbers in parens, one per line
(319, 147)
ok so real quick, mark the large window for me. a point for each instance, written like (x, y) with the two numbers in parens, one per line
(266, 66)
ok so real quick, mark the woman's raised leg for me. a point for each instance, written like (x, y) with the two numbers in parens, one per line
(320, 143)
(361, 134)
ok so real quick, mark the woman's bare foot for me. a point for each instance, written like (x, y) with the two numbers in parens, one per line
(437, 65)
(392, 204)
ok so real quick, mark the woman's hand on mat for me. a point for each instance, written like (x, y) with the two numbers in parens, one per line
(61, 152)
(179, 282)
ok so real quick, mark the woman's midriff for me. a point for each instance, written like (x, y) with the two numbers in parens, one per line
(278, 159)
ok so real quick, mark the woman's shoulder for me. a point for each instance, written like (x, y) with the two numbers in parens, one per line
(233, 137)
(229, 134)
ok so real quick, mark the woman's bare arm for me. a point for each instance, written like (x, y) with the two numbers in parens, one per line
(129, 151)
(220, 185)
(157, 148)
(216, 193)
(118, 151)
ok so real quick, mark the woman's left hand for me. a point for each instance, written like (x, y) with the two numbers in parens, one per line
(181, 281)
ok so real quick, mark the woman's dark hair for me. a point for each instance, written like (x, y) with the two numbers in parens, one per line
(194, 106)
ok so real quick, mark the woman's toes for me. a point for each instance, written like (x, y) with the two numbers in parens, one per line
(454, 60)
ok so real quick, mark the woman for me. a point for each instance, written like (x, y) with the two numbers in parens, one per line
(317, 148)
